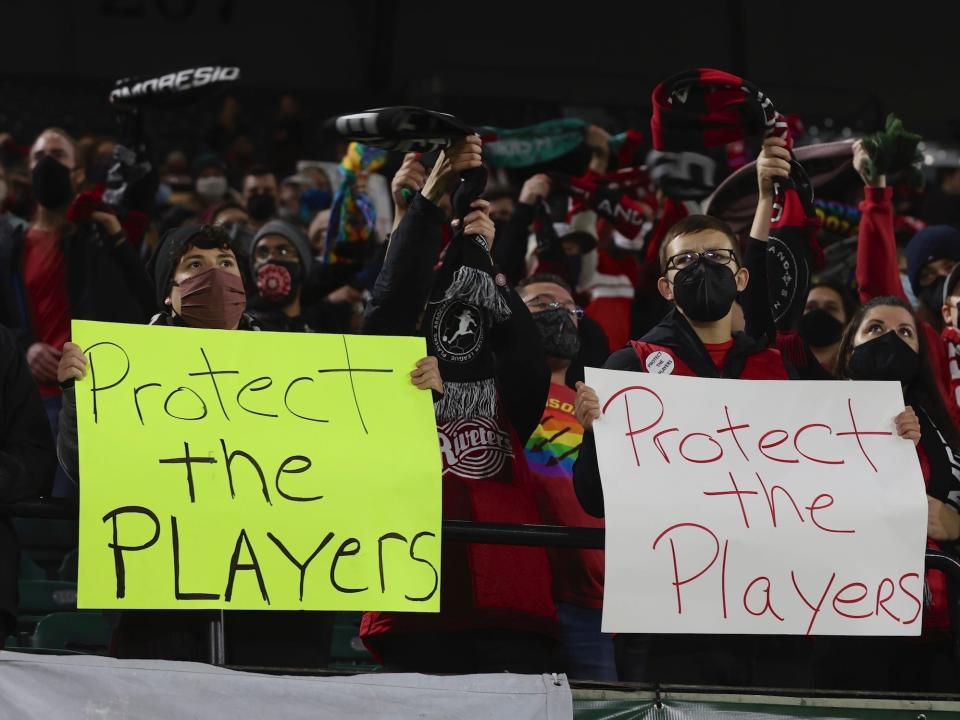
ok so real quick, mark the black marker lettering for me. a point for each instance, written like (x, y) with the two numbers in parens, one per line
(252, 565)
(118, 549)
(301, 567)
(188, 460)
(175, 535)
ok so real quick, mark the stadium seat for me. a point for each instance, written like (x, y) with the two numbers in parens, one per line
(347, 651)
(39, 597)
(78, 632)
(29, 570)
(68, 568)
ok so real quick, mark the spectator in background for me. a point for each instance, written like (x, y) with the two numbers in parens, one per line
(57, 271)
(5, 215)
(27, 462)
(551, 452)
(229, 215)
(210, 186)
(229, 139)
(503, 203)
(931, 255)
(288, 136)
(260, 196)
(280, 261)
(941, 203)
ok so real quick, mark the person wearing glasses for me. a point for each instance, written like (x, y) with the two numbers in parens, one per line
(280, 262)
(551, 452)
(701, 274)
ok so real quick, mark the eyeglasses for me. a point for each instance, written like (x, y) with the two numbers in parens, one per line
(543, 306)
(284, 252)
(714, 256)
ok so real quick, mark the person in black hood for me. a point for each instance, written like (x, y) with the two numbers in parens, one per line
(197, 270)
(260, 195)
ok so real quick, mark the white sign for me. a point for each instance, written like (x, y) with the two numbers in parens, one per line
(737, 506)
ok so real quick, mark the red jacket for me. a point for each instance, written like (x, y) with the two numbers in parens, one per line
(878, 274)
(767, 364)
(486, 479)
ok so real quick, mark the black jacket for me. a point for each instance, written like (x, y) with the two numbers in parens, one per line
(673, 332)
(27, 459)
(105, 281)
(401, 292)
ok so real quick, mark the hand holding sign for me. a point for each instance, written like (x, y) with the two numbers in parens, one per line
(763, 507)
(239, 470)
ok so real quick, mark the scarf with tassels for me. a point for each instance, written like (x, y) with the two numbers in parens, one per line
(467, 301)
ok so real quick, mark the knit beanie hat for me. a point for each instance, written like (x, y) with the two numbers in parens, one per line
(293, 234)
(174, 243)
(696, 113)
(933, 243)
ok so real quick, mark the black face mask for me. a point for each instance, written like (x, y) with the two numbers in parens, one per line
(558, 333)
(705, 292)
(262, 206)
(819, 328)
(278, 281)
(51, 183)
(932, 295)
(884, 358)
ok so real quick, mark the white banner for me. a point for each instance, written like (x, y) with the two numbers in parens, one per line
(737, 506)
(37, 687)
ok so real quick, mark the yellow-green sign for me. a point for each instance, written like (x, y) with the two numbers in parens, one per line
(254, 470)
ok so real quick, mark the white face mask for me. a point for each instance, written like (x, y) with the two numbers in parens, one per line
(212, 188)
(3, 191)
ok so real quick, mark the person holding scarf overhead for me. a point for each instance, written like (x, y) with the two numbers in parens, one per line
(497, 612)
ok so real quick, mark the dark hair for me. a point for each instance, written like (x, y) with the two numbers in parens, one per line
(545, 278)
(693, 224)
(500, 193)
(926, 387)
(849, 300)
(258, 171)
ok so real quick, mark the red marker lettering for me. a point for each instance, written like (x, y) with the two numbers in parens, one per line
(882, 600)
(677, 582)
(816, 610)
(739, 493)
(860, 433)
(762, 446)
(701, 461)
(796, 444)
(851, 601)
(732, 429)
(912, 597)
(815, 505)
(771, 502)
(767, 606)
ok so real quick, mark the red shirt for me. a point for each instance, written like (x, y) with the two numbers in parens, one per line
(718, 352)
(551, 452)
(45, 282)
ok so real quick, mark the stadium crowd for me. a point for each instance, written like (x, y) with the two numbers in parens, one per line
(523, 256)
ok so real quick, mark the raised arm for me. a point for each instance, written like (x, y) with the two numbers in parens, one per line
(878, 272)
